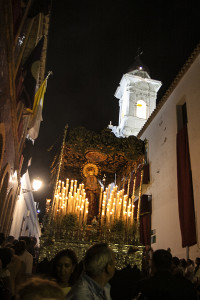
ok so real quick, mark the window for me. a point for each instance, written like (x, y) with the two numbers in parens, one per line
(2, 142)
(3, 193)
(181, 116)
(153, 236)
(1, 146)
(141, 109)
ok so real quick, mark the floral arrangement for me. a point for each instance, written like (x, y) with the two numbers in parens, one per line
(118, 226)
(70, 221)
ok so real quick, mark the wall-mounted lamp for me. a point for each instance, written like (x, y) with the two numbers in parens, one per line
(36, 185)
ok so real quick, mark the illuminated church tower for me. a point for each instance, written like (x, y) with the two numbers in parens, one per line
(137, 94)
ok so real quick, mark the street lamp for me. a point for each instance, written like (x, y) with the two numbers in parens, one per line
(36, 185)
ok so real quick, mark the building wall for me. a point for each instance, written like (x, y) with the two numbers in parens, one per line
(161, 135)
(9, 176)
(15, 48)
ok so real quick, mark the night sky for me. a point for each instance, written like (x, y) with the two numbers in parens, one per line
(91, 45)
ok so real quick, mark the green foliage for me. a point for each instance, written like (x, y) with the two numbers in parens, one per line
(118, 226)
(80, 139)
(69, 221)
(133, 228)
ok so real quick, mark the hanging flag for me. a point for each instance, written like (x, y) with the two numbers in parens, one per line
(19, 80)
(27, 154)
(30, 73)
(38, 6)
(17, 15)
(34, 124)
(186, 205)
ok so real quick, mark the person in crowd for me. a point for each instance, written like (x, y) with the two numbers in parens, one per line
(32, 249)
(99, 268)
(197, 270)
(189, 271)
(63, 268)
(38, 289)
(9, 240)
(2, 239)
(124, 282)
(183, 265)
(25, 256)
(5, 281)
(17, 270)
(33, 244)
(197, 275)
(162, 284)
(44, 268)
(147, 260)
(176, 268)
(15, 242)
(27, 240)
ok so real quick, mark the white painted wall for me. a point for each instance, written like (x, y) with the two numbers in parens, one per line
(161, 135)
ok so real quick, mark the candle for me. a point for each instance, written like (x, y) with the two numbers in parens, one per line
(132, 221)
(75, 186)
(71, 186)
(100, 202)
(67, 189)
(113, 204)
(80, 217)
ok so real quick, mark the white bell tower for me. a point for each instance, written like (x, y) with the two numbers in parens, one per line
(137, 95)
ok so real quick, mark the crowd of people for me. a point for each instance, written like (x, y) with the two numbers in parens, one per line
(95, 277)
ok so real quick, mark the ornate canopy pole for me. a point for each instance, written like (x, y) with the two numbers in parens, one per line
(58, 173)
(139, 205)
(128, 188)
(133, 192)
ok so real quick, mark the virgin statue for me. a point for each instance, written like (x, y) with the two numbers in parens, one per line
(92, 189)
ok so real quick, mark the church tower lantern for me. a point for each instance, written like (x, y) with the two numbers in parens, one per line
(137, 95)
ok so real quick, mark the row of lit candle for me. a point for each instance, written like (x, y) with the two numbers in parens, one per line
(70, 199)
(113, 204)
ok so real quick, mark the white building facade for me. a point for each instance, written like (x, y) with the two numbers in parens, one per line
(161, 133)
(159, 127)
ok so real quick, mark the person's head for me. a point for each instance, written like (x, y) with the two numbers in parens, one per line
(197, 261)
(20, 247)
(100, 260)
(147, 247)
(64, 264)
(91, 171)
(5, 256)
(10, 246)
(39, 289)
(27, 240)
(2, 238)
(15, 242)
(161, 260)
(183, 263)
(33, 241)
(189, 262)
(175, 261)
(10, 239)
